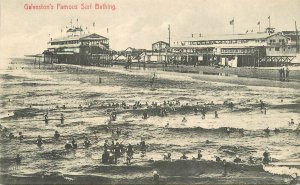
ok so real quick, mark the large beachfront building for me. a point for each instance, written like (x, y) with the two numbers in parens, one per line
(78, 48)
(252, 49)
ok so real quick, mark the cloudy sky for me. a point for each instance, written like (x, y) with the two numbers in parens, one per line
(138, 23)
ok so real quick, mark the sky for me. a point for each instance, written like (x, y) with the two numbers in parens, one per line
(138, 23)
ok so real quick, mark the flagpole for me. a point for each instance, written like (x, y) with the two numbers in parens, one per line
(169, 29)
(233, 26)
(108, 35)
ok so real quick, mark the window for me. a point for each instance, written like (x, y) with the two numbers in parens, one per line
(272, 41)
(277, 49)
(270, 49)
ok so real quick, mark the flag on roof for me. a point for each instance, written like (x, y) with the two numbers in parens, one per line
(231, 22)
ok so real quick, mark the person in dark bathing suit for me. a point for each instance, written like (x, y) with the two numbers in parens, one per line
(39, 141)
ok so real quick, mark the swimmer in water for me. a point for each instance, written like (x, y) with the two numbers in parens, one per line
(199, 156)
(21, 137)
(184, 157)
(237, 159)
(56, 135)
(266, 157)
(39, 141)
(216, 114)
(87, 142)
(167, 125)
(18, 159)
(68, 145)
(74, 144)
(267, 130)
(152, 80)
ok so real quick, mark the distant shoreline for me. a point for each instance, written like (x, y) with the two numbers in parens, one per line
(240, 76)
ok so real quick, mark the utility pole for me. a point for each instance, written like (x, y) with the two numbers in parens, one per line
(169, 28)
(269, 29)
(297, 38)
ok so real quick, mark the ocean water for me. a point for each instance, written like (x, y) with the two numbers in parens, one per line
(27, 93)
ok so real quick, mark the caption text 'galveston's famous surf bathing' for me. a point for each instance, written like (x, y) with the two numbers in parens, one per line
(64, 6)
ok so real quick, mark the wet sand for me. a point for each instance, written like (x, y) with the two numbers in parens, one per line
(26, 94)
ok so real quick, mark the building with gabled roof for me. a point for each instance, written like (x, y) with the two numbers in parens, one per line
(89, 36)
(78, 48)
(159, 46)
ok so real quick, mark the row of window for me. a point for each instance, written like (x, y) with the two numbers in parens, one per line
(237, 50)
(276, 49)
(77, 42)
(219, 42)
(204, 50)
(274, 41)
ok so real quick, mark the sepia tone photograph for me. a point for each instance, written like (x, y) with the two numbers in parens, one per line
(149, 92)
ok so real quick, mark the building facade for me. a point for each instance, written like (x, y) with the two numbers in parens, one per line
(159, 46)
(77, 48)
(237, 50)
